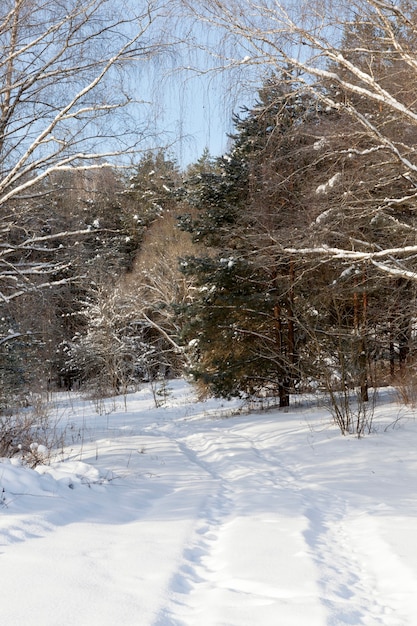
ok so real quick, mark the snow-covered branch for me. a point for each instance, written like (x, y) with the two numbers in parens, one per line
(67, 105)
(356, 62)
(60, 76)
(356, 255)
(178, 349)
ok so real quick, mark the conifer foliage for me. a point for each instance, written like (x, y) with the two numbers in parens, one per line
(264, 319)
(242, 320)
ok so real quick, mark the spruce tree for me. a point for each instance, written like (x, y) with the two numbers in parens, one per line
(243, 318)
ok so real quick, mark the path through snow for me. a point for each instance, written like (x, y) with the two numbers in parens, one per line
(180, 516)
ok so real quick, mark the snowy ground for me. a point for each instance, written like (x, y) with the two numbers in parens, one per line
(185, 515)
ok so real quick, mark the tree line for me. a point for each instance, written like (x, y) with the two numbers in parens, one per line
(285, 265)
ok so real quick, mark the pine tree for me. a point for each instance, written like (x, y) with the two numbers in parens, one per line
(243, 317)
(153, 189)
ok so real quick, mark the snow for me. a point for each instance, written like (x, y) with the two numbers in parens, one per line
(229, 262)
(324, 215)
(320, 143)
(198, 513)
(323, 189)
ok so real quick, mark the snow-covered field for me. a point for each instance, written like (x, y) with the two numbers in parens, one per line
(187, 516)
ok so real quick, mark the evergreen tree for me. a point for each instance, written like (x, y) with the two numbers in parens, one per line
(243, 317)
(153, 189)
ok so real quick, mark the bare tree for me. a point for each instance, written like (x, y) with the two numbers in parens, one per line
(65, 104)
(358, 59)
(160, 292)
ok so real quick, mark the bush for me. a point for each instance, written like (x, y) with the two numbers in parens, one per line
(28, 435)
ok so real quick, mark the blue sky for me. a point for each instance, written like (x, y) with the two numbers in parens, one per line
(194, 108)
(196, 112)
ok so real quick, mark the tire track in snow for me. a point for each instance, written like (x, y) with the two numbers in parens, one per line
(347, 590)
(194, 571)
(203, 579)
(350, 587)
(350, 580)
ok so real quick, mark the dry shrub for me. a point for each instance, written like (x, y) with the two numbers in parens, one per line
(406, 386)
(29, 435)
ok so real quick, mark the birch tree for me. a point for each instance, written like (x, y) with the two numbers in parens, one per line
(66, 104)
(369, 78)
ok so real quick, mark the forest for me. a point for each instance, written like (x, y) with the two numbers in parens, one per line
(286, 265)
